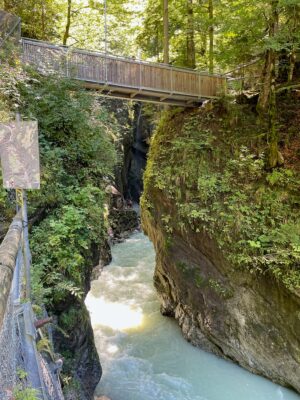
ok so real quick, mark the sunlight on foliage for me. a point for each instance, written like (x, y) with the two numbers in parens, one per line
(220, 186)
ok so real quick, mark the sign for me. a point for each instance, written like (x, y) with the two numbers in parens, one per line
(19, 151)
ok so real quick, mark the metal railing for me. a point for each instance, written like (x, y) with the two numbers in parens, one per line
(245, 77)
(21, 365)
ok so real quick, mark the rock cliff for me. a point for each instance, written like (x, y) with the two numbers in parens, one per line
(208, 215)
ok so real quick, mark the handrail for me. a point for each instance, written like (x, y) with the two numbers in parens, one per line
(8, 254)
(242, 66)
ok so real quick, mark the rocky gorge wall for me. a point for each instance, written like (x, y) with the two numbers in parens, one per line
(75, 338)
(223, 302)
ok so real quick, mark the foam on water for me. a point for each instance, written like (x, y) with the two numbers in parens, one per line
(143, 355)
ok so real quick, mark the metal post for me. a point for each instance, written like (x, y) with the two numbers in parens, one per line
(67, 63)
(22, 198)
(27, 255)
(105, 26)
(19, 32)
(140, 75)
(105, 39)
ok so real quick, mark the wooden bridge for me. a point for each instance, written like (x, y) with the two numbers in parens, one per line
(125, 78)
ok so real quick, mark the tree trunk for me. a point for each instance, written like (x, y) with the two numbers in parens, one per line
(211, 36)
(269, 68)
(166, 43)
(266, 106)
(294, 28)
(283, 67)
(166, 30)
(267, 75)
(43, 20)
(203, 45)
(191, 54)
(68, 24)
(274, 157)
(292, 66)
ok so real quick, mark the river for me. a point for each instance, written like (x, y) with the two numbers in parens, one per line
(143, 355)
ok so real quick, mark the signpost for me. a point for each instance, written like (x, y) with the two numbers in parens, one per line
(19, 151)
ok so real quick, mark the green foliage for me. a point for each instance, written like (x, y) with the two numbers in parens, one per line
(77, 158)
(239, 31)
(25, 394)
(44, 345)
(220, 289)
(21, 393)
(21, 373)
(61, 241)
(168, 243)
(39, 19)
(182, 266)
(214, 173)
(200, 281)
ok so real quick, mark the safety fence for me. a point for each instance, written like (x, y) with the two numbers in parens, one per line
(245, 77)
(22, 367)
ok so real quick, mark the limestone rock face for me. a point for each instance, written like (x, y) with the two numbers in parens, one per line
(251, 320)
(81, 360)
(208, 214)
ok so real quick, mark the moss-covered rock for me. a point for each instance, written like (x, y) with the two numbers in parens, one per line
(226, 232)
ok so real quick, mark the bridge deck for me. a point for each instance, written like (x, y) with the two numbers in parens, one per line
(124, 77)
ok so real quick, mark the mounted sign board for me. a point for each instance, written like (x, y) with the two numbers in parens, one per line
(19, 151)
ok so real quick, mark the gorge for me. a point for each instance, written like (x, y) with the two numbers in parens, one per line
(143, 354)
(210, 310)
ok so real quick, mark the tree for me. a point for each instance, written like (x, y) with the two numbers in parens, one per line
(282, 39)
(190, 36)
(40, 19)
(268, 76)
(68, 24)
(211, 35)
(166, 30)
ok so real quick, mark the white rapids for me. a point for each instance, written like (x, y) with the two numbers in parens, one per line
(143, 355)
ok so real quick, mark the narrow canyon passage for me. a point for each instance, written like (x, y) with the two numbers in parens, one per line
(143, 355)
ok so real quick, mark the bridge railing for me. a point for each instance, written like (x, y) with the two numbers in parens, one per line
(245, 77)
(121, 72)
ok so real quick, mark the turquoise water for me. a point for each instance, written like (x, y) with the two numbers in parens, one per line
(143, 355)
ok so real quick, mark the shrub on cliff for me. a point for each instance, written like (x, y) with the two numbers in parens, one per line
(210, 164)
